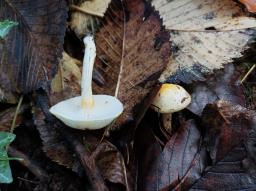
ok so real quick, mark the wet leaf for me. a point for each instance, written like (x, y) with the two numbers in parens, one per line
(226, 126)
(107, 157)
(205, 35)
(250, 5)
(229, 128)
(132, 51)
(180, 163)
(224, 84)
(82, 23)
(5, 27)
(29, 55)
(5, 170)
(228, 174)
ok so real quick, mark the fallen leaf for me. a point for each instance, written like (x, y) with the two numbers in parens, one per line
(250, 5)
(224, 84)
(226, 126)
(132, 51)
(205, 35)
(82, 23)
(107, 157)
(229, 128)
(227, 174)
(179, 164)
(29, 55)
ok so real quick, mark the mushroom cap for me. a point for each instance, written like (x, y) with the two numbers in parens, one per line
(105, 109)
(171, 98)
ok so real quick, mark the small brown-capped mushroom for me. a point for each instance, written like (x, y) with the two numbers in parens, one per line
(88, 111)
(170, 98)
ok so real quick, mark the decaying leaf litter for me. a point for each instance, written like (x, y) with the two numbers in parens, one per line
(206, 46)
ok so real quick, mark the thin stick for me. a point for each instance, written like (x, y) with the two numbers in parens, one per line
(32, 167)
(16, 114)
(86, 11)
(248, 73)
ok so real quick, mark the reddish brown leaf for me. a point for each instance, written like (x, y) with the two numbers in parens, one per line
(228, 174)
(226, 125)
(228, 128)
(250, 5)
(30, 53)
(180, 163)
(132, 50)
(222, 85)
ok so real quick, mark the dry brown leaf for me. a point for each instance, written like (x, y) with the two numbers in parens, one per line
(132, 51)
(206, 34)
(83, 23)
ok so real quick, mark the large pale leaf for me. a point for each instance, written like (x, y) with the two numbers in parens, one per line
(29, 55)
(206, 34)
(132, 51)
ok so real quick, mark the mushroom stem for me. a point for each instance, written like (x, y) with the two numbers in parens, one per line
(167, 122)
(88, 62)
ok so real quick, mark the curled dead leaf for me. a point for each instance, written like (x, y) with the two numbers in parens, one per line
(224, 84)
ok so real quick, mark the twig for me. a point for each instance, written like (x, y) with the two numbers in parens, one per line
(248, 73)
(32, 167)
(16, 114)
(94, 176)
(26, 180)
(86, 11)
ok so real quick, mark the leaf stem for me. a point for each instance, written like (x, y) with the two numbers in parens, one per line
(10, 158)
(248, 73)
(16, 114)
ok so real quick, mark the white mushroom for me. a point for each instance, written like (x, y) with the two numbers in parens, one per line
(88, 111)
(170, 98)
